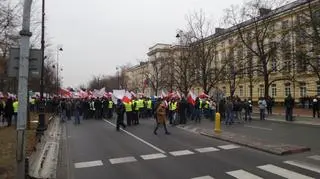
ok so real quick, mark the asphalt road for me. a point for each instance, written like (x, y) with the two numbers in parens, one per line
(94, 149)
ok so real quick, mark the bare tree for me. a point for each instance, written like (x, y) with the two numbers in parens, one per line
(202, 51)
(254, 27)
(307, 30)
(154, 76)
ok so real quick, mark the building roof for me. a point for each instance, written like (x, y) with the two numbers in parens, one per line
(274, 12)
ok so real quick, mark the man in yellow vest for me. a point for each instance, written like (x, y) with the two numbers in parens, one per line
(149, 108)
(135, 109)
(110, 108)
(172, 110)
(128, 109)
(32, 104)
(15, 106)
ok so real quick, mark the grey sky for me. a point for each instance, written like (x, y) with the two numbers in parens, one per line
(98, 35)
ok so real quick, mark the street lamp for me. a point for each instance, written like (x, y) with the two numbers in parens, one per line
(57, 77)
(118, 73)
(41, 123)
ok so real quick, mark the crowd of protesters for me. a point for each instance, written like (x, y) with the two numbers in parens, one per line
(175, 110)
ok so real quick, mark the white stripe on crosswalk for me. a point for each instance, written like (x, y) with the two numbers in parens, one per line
(283, 172)
(153, 156)
(304, 165)
(122, 160)
(206, 149)
(181, 152)
(315, 157)
(88, 164)
(203, 177)
(228, 147)
(241, 174)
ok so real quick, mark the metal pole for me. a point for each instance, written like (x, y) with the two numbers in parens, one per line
(57, 72)
(23, 89)
(41, 123)
(42, 50)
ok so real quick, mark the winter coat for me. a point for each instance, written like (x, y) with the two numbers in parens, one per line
(161, 114)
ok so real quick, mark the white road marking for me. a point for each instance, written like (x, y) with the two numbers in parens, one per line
(203, 177)
(315, 157)
(88, 164)
(122, 160)
(241, 174)
(153, 156)
(207, 149)
(181, 152)
(138, 138)
(283, 172)
(228, 147)
(257, 127)
(304, 165)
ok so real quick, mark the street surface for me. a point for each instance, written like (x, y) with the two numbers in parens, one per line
(94, 149)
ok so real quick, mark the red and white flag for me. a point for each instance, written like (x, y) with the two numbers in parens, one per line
(191, 98)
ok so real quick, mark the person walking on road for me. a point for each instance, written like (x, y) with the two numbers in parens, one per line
(161, 118)
(182, 108)
(120, 109)
(289, 104)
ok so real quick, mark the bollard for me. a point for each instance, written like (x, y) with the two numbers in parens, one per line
(217, 126)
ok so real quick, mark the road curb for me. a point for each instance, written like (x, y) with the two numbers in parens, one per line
(258, 147)
(288, 122)
(43, 161)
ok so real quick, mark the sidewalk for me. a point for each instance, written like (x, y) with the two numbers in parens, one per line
(298, 112)
(257, 135)
(297, 119)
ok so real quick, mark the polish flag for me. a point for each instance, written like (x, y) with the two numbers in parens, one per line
(83, 94)
(191, 98)
(127, 97)
(65, 93)
(203, 95)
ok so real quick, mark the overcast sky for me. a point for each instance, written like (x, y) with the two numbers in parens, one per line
(99, 35)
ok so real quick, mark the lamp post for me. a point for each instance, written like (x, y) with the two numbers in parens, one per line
(57, 77)
(118, 74)
(41, 123)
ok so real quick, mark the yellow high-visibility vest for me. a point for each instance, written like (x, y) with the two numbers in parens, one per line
(173, 106)
(33, 101)
(136, 104)
(110, 104)
(149, 104)
(128, 106)
(206, 105)
(15, 106)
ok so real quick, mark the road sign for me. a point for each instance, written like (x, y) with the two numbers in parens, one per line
(34, 63)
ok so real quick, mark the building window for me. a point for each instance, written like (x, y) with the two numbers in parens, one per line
(285, 24)
(241, 91)
(303, 90)
(261, 91)
(274, 90)
(287, 66)
(287, 89)
(318, 88)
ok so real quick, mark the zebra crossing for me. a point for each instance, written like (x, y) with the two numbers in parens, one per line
(306, 168)
(178, 153)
